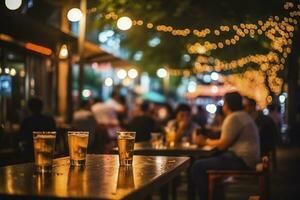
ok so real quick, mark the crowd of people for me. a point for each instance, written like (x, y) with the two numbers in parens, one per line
(239, 130)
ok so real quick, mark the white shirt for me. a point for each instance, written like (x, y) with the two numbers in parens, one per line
(242, 135)
(104, 114)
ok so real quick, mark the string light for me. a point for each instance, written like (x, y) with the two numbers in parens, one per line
(278, 30)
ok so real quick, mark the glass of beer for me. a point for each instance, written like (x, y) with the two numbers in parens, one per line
(156, 140)
(44, 145)
(78, 143)
(170, 136)
(125, 146)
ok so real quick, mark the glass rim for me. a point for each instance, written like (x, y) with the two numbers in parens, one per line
(120, 132)
(79, 132)
(156, 133)
(44, 132)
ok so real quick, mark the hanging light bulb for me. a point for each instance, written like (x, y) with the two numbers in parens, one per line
(13, 4)
(124, 23)
(132, 73)
(162, 73)
(63, 53)
(74, 15)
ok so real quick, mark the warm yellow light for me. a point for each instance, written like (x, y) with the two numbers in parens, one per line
(124, 23)
(149, 25)
(6, 70)
(121, 74)
(108, 82)
(74, 15)
(201, 49)
(13, 4)
(161, 72)
(217, 32)
(63, 53)
(22, 73)
(132, 73)
(13, 72)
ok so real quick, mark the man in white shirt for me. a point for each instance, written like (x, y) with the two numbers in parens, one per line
(106, 116)
(239, 143)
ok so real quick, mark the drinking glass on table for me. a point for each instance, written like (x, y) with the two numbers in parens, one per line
(78, 143)
(44, 145)
(156, 140)
(125, 146)
(170, 136)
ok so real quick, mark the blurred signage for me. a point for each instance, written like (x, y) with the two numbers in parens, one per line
(5, 85)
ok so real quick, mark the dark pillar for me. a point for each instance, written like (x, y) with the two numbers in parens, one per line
(293, 90)
(81, 38)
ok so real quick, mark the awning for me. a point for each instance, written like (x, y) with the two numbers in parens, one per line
(154, 97)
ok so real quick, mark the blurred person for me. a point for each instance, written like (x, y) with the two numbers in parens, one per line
(183, 124)
(200, 117)
(36, 121)
(104, 114)
(239, 143)
(274, 113)
(214, 129)
(115, 102)
(266, 127)
(106, 117)
(122, 116)
(84, 120)
(164, 114)
(143, 123)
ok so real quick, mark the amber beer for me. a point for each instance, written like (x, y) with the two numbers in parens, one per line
(78, 143)
(126, 147)
(44, 144)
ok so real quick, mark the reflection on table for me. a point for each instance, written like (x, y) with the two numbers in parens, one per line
(101, 178)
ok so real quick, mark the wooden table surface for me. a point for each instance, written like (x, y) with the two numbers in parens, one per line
(102, 178)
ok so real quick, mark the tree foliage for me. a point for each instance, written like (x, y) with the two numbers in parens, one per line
(193, 14)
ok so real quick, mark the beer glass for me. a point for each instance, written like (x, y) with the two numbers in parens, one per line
(170, 136)
(44, 145)
(126, 146)
(78, 143)
(156, 140)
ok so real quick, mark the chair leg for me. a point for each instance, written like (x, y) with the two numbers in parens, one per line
(264, 185)
(175, 184)
(274, 160)
(211, 186)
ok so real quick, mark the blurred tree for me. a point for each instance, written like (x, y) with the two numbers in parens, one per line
(180, 14)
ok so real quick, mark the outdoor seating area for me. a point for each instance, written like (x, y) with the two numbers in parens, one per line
(149, 99)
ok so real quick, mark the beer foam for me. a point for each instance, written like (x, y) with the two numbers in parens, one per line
(126, 137)
(78, 135)
(45, 136)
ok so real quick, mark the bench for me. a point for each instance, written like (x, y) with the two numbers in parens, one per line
(261, 174)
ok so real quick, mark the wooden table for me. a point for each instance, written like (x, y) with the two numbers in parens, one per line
(102, 178)
(192, 151)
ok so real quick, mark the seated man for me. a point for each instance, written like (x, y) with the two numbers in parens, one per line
(36, 121)
(239, 142)
(183, 124)
(143, 124)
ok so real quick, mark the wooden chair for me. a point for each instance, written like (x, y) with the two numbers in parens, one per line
(261, 174)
